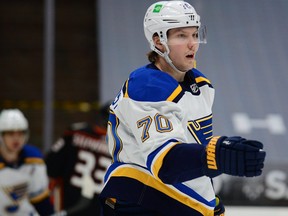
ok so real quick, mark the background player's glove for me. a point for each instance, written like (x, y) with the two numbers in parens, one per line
(234, 156)
(219, 209)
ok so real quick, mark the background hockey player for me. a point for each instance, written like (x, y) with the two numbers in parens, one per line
(160, 128)
(23, 178)
(76, 165)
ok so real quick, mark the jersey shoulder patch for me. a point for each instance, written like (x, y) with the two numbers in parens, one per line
(149, 84)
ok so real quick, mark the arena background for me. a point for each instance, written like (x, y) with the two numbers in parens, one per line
(95, 44)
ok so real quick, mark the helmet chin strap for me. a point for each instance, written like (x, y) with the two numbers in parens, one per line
(165, 55)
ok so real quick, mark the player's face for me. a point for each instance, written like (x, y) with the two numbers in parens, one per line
(183, 44)
(14, 140)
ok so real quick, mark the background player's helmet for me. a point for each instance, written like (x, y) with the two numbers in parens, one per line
(12, 120)
(164, 15)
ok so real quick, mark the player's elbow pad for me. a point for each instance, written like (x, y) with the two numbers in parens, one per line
(234, 156)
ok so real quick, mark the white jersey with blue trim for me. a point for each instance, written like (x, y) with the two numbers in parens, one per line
(151, 115)
(14, 194)
(24, 184)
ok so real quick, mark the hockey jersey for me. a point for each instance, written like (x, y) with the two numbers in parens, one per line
(78, 161)
(153, 121)
(23, 184)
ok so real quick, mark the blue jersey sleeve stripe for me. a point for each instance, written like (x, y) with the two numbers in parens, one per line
(110, 169)
(118, 145)
(192, 193)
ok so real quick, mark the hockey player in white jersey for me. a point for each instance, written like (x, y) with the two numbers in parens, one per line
(160, 128)
(23, 178)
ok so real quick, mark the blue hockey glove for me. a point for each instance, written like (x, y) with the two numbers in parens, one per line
(234, 156)
(219, 209)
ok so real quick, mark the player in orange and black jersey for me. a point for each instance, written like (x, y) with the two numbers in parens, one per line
(76, 165)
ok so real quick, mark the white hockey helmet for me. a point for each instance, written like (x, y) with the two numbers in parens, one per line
(13, 120)
(164, 15)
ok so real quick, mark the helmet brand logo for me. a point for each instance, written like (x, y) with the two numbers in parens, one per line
(192, 17)
(157, 8)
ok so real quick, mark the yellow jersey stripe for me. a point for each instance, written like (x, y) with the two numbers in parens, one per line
(34, 160)
(159, 161)
(126, 90)
(169, 191)
(202, 79)
(40, 197)
(175, 93)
